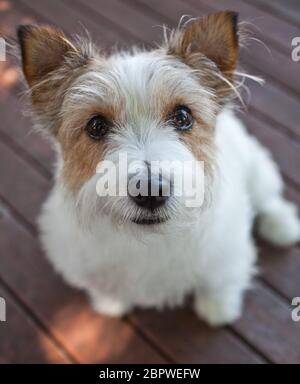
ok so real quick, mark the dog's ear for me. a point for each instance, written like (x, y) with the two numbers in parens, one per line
(50, 62)
(43, 50)
(214, 36)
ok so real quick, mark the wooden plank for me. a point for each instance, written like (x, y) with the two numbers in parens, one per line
(285, 151)
(169, 11)
(276, 106)
(281, 269)
(71, 21)
(267, 323)
(65, 311)
(22, 185)
(288, 9)
(18, 128)
(273, 66)
(189, 340)
(14, 124)
(22, 341)
(293, 194)
(111, 10)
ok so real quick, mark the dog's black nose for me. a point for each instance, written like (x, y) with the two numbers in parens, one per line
(156, 194)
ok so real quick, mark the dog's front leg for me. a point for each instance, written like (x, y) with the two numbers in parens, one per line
(108, 305)
(219, 308)
(220, 300)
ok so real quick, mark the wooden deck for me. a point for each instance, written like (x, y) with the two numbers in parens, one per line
(48, 321)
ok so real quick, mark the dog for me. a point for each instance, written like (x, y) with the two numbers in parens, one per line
(171, 103)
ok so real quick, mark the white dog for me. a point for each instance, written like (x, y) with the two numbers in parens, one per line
(170, 103)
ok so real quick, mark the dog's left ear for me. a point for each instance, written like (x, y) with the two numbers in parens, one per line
(214, 36)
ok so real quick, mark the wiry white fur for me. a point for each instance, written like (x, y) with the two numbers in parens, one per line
(208, 252)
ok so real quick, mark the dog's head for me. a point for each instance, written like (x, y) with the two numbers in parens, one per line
(143, 107)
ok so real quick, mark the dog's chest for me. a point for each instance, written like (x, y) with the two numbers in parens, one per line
(149, 270)
(157, 270)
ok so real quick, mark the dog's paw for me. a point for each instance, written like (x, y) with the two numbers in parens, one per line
(280, 224)
(217, 312)
(108, 306)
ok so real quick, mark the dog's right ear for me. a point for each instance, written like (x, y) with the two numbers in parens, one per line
(50, 61)
(43, 50)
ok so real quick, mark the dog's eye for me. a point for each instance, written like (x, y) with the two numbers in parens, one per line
(182, 118)
(97, 127)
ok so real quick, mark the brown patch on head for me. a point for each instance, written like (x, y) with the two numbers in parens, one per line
(212, 37)
(200, 140)
(81, 157)
(81, 154)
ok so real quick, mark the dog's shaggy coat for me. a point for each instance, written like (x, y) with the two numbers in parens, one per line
(96, 243)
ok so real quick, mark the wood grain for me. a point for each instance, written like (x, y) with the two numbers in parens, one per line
(266, 332)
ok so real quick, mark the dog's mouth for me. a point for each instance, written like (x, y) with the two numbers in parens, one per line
(149, 220)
